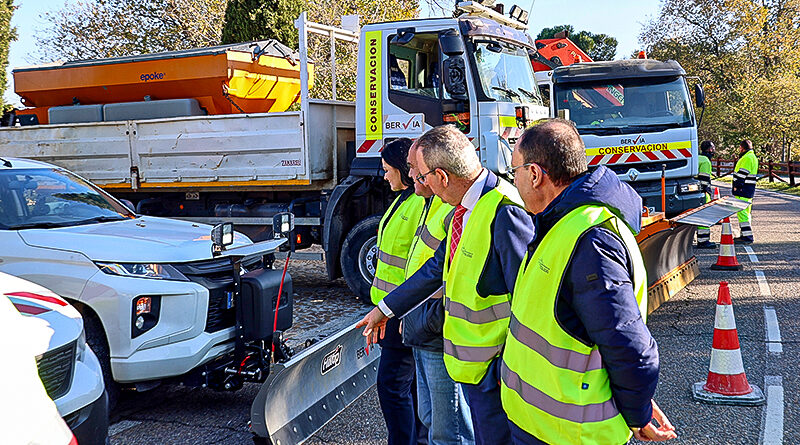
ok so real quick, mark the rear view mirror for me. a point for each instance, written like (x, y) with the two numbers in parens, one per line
(455, 77)
(699, 96)
(404, 35)
(451, 43)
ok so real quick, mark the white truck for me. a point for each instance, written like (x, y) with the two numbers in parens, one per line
(322, 163)
(636, 118)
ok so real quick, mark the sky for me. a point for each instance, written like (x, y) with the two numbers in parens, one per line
(622, 19)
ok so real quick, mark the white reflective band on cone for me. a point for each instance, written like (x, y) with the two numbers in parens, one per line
(727, 250)
(726, 228)
(726, 362)
(724, 317)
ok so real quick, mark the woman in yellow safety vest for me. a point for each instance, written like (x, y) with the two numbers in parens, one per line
(396, 371)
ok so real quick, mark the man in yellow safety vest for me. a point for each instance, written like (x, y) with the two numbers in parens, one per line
(579, 365)
(478, 264)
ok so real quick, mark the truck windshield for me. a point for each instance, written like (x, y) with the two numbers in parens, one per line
(505, 72)
(624, 106)
(46, 198)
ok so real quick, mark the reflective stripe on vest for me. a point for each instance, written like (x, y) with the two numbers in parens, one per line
(395, 234)
(487, 315)
(593, 412)
(554, 386)
(392, 260)
(475, 326)
(431, 231)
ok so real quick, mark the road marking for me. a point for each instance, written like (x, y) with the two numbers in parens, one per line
(773, 330)
(762, 284)
(751, 254)
(773, 417)
(121, 426)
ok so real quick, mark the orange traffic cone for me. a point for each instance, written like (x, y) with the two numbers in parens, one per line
(716, 193)
(726, 383)
(727, 252)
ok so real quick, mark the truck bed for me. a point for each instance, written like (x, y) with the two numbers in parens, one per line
(257, 150)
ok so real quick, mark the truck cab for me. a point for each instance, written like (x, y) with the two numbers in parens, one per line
(636, 118)
(472, 71)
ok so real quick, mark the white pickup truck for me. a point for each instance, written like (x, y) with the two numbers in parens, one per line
(156, 301)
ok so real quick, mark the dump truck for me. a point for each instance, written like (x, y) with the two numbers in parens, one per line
(635, 117)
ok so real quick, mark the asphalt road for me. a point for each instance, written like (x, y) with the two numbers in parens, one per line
(683, 328)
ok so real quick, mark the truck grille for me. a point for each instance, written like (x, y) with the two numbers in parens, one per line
(646, 167)
(216, 275)
(55, 370)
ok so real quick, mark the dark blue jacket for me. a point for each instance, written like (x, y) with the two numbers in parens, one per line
(596, 304)
(512, 231)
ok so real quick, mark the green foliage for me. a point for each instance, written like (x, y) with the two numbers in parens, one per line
(596, 46)
(247, 20)
(745, 53)
(89, 29)
(7, 35)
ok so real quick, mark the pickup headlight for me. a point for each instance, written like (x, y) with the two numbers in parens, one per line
(689, 188)
(143, 270)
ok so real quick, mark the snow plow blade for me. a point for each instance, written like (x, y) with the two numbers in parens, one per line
(667, 247)
(305, 393)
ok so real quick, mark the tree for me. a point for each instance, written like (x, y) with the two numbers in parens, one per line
(7, 35)
(596, 46)
(745, 54)
(247, 20)
(89, 29)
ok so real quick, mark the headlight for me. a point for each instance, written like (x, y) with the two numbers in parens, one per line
(80, 348)
(144, 270)
(688, 188)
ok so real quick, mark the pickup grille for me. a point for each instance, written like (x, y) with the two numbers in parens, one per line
(216, 275)
(55, 370)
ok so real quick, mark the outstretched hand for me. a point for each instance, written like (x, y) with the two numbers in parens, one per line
(652, 433)
(374, 325)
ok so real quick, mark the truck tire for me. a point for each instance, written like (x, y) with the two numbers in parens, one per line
(96, 339)
(360, 256)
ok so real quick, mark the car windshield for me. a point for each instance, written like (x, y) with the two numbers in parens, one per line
(44, 198)
(505, 72)
(602, 107)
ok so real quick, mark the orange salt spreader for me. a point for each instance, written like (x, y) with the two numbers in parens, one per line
(255, 77)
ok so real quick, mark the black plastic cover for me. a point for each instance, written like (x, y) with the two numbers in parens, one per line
(259, 297)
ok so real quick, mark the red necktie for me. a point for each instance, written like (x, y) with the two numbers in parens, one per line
(458, 225)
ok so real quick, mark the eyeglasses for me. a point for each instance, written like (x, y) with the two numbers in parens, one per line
(512, 170)
(421, 177)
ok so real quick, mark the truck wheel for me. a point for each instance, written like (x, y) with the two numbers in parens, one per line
(360, 256)
(96, 339)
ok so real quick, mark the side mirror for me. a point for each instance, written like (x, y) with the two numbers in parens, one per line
(283, 224)
(129, 205)
(699, 96)
(221, 237)
(455, 77)
(451, 43)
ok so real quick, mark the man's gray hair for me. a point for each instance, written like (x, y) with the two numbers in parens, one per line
(447, 148)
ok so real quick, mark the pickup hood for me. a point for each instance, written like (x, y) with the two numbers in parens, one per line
(145, 239)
